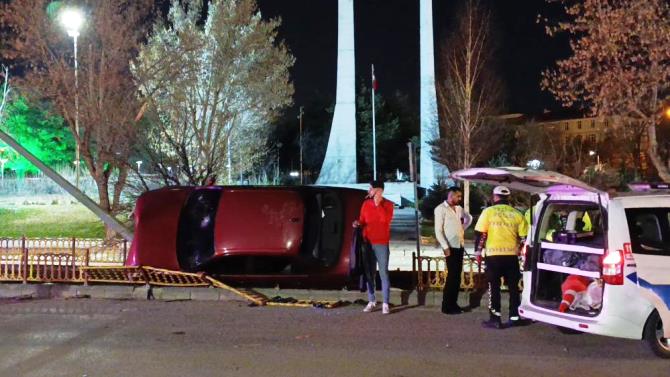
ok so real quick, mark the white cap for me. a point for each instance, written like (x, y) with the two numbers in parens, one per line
(501, 190)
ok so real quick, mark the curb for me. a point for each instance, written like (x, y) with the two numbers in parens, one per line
(128, 292)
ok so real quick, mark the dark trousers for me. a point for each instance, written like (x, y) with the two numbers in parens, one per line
(506, 266)
(453, 283)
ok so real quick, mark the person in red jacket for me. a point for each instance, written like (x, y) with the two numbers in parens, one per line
(375, 219)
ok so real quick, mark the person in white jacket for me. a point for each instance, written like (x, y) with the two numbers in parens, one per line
(451, 220)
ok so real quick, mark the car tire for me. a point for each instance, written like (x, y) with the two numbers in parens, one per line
(568, 331)
(653, 336)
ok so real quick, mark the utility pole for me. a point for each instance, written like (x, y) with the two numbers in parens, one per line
(413, 177)
(300, 142)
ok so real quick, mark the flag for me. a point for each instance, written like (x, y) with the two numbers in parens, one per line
(374, 79)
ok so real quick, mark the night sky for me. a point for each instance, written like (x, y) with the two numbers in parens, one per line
(387, 34)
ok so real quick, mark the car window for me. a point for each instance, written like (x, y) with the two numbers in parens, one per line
(649, 230)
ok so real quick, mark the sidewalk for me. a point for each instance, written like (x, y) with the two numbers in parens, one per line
(401, 253)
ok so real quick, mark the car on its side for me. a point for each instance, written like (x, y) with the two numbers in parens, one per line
(620, 244)
(297, 235)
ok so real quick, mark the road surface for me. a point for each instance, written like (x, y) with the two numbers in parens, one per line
(83, 337)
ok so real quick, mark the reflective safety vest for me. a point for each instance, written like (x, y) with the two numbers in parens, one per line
(503, 225)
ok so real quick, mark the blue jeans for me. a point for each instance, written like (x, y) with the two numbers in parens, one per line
(382, 258)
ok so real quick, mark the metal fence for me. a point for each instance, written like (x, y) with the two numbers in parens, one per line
(431, 273)
(56, 259)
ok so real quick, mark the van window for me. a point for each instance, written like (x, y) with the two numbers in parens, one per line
(649, 230)
(572, 223)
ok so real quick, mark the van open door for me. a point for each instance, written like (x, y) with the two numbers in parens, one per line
(520, 179)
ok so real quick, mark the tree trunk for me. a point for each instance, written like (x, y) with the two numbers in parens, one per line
(466, 196)
(652, 151)
(103, 196)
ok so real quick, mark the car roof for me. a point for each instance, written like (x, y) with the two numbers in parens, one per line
(625, 196)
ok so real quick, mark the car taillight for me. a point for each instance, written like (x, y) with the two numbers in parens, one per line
(613, 267)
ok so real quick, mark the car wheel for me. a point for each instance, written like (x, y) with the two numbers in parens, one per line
(568, 331)
(653, 336)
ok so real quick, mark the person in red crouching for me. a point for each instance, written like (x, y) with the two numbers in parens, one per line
(375, 219)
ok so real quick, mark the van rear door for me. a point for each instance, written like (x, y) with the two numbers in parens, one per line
(521, 179)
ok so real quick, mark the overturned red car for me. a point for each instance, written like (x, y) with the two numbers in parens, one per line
(300, 235)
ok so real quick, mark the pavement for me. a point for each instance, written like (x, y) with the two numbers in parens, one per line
(129, 292)
(89, 337)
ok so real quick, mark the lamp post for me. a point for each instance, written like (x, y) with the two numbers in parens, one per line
(3, 161)
(300, 142)
(594, 153)
(72, 19)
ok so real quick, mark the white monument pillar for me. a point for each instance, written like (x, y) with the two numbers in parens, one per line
(429, 170)
(339, 165)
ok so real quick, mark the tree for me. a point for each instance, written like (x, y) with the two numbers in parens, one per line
(469, 95)
(45, 135)
(108, 102)
(387, 134)
(212, 85)
(547, 144)
(620, 63)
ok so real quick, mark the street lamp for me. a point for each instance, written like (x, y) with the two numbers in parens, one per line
(139, 164)
(534, 164)
(667, 112)
(300, 141)
(72, 20)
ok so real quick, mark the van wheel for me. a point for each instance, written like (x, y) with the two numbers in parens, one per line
(653, 336)
(568, 331)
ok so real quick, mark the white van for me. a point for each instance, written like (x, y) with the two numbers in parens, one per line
(621, 245)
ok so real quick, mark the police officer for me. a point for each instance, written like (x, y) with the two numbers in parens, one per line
(498, 231)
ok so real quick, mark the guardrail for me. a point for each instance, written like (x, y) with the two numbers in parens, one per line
(56, 259)
(431, 273)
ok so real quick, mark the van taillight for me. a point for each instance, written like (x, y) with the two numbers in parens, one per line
(613, 267)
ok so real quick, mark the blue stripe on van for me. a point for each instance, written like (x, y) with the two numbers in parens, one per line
(663, 291)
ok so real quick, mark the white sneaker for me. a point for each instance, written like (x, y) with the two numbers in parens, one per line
(370, 307)
(386, 309)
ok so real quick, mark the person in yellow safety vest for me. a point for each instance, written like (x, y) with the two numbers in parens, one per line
(586, 219)
(499, 230)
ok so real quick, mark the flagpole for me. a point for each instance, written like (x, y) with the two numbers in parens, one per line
(374, 135)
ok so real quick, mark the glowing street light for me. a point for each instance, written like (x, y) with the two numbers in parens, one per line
(598, 165)
(534, 164)
(667, 112)
(72, 20)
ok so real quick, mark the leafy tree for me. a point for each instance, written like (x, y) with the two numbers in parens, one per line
(44, 134)
(212, 85)
(108, 103)
(470, 94)
(620, 63)
(387, 130)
